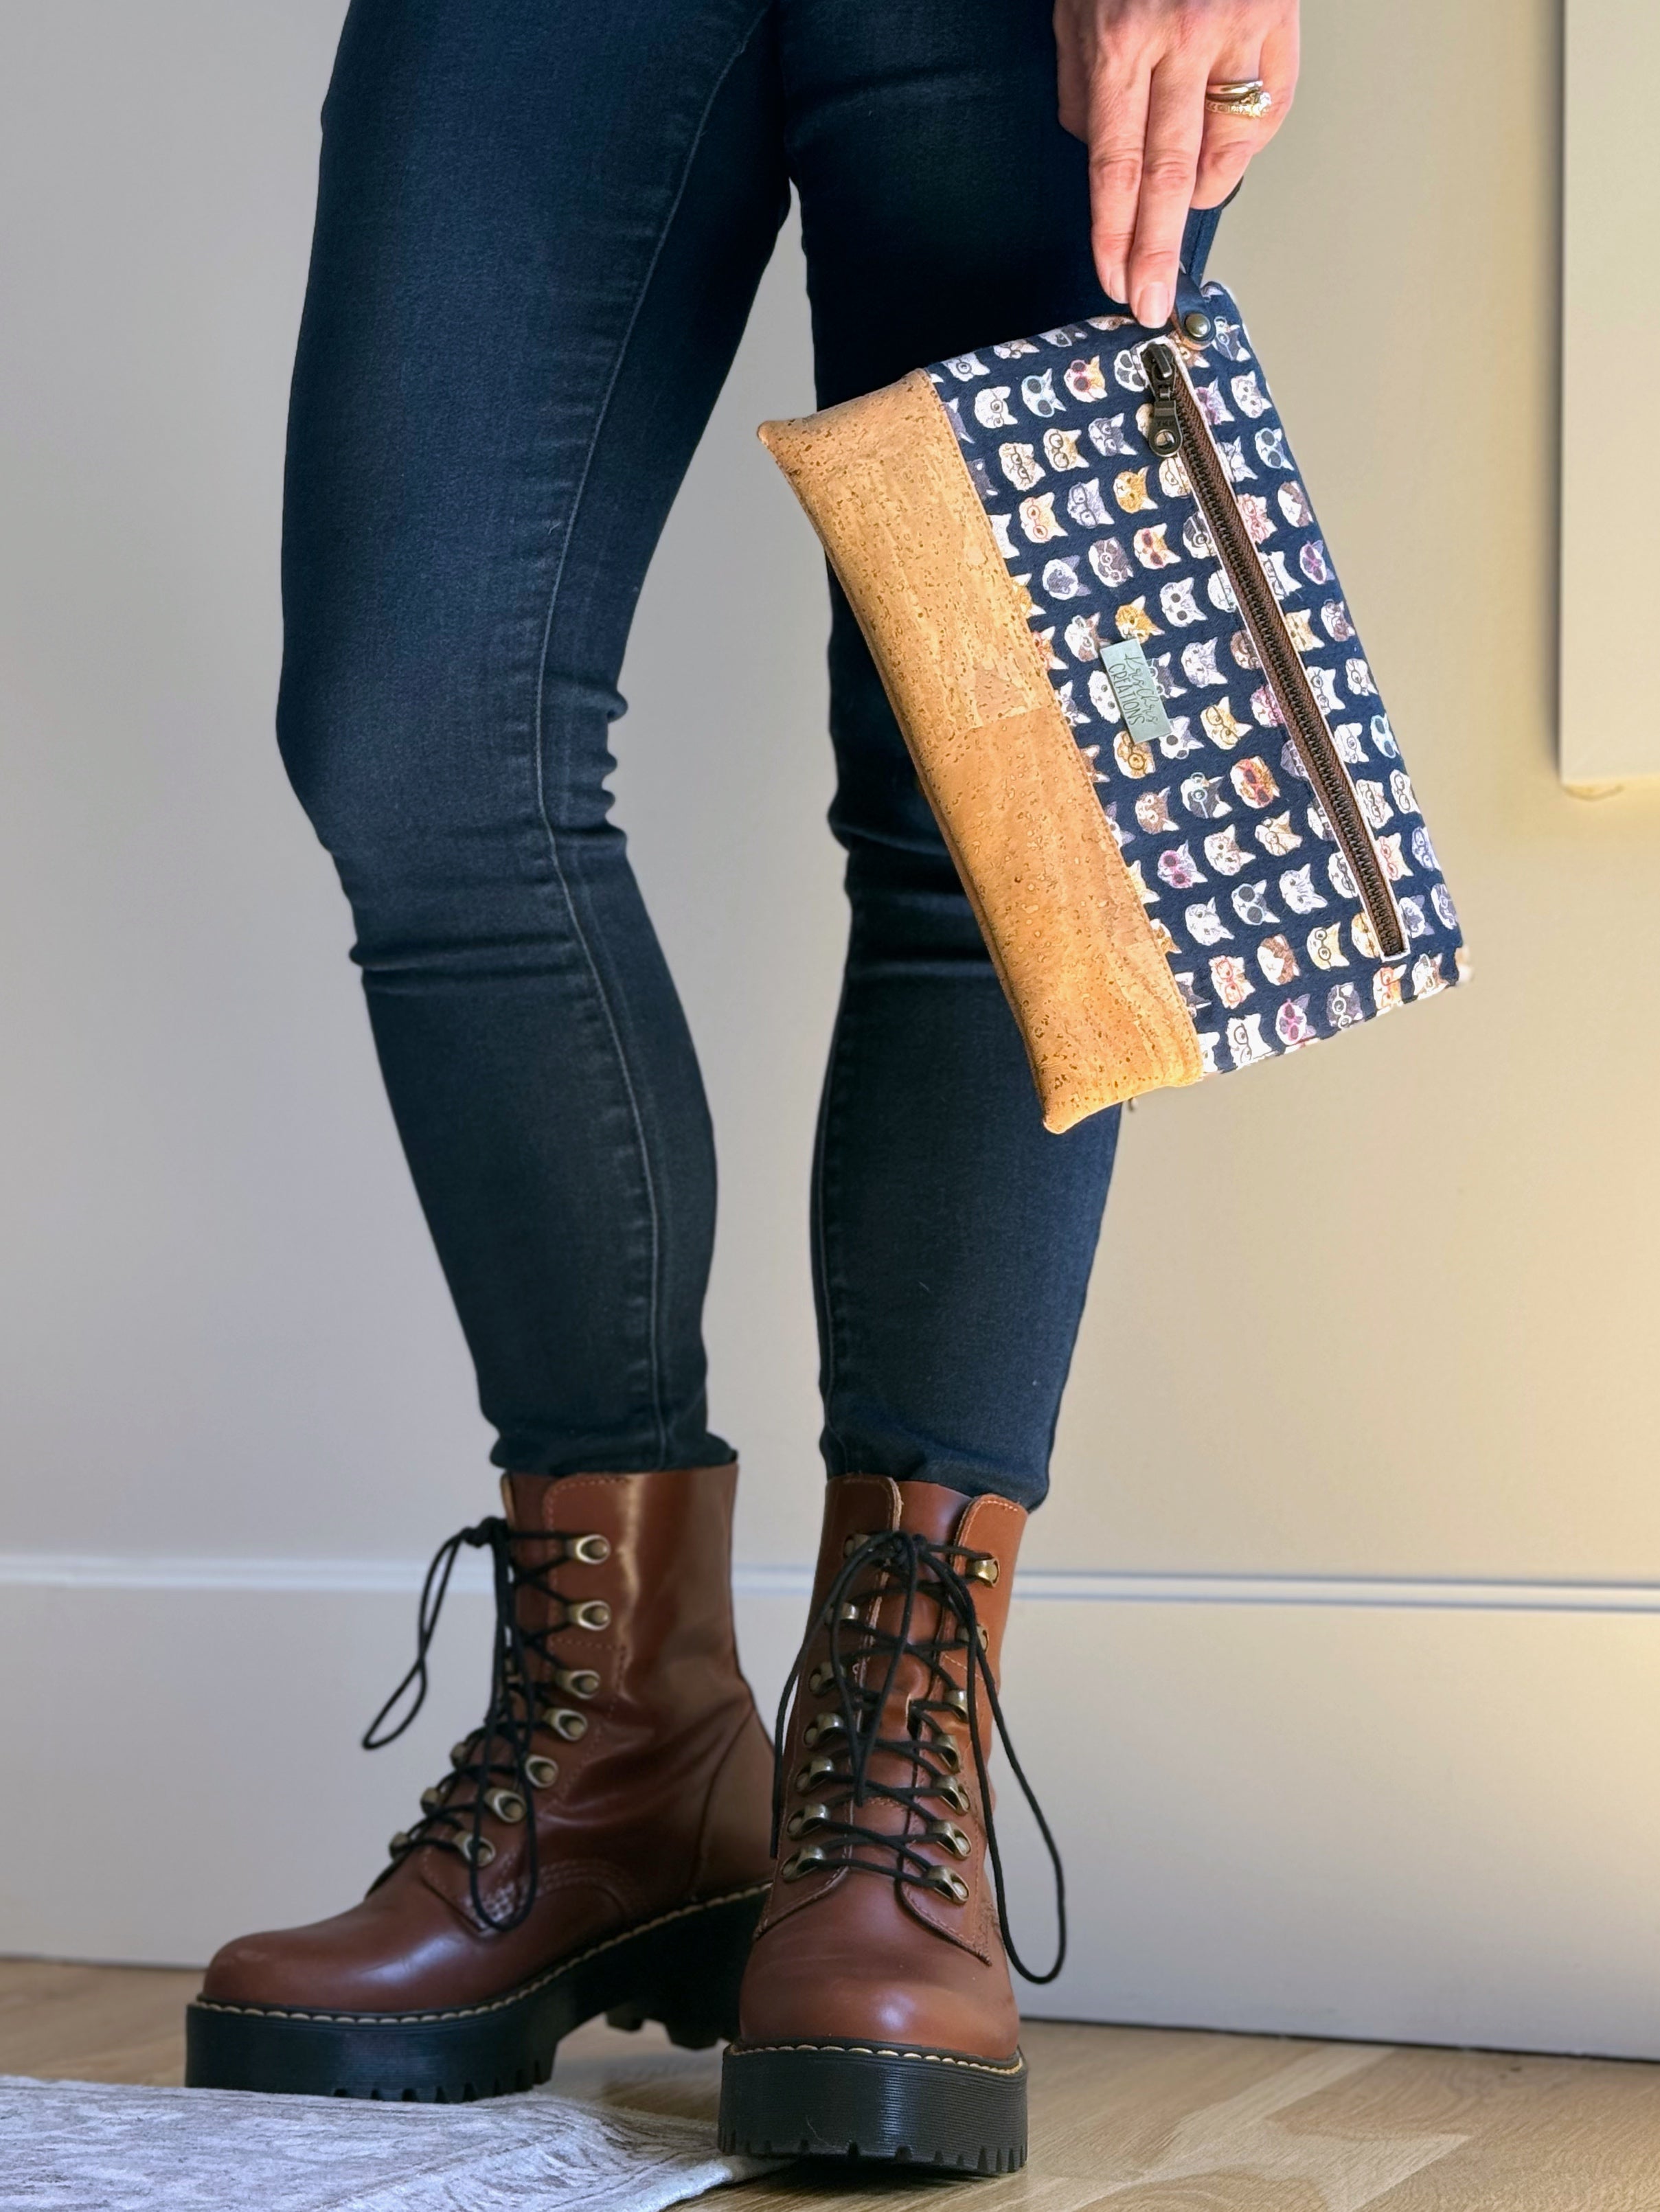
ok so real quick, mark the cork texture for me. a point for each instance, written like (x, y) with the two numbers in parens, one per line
(885, 486)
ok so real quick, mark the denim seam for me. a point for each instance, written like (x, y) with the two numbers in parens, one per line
(654, 1346)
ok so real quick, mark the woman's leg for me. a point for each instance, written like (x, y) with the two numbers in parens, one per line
(944, 207)
(540, 227)
(539, 230)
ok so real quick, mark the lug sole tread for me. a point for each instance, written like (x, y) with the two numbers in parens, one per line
(890, 2104)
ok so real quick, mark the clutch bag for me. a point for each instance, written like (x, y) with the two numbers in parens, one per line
(1112, 629)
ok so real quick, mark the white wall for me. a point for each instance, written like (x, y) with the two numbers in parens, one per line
(1353, 1565)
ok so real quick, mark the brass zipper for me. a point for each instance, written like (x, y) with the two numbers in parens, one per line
(1178, 427)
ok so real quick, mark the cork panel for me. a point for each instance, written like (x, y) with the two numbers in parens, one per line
(884, 484)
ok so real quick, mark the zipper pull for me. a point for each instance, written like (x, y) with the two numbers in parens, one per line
(1165, 432)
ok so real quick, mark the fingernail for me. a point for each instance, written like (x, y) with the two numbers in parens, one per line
(1153, 309)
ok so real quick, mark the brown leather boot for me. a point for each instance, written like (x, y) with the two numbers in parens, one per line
(876, 2019)
(600, 1843)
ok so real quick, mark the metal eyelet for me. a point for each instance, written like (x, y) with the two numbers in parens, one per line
(589, 1550)
(822, 1769)
(951, 1794)
(577, 1682)
(851, 1546)
(949, 1884)
(806, 1861)
(507, 1805)
(400, 1842)
(984, 1635)
(822, 1677)
(817, 1730)
(564, 1722)
(810, 1816)
(957, 1699)
(981, 1568)
(542, 1773)
(462, 1752)
(948, 1833)
(432, 1799)
(477, 1851)
(593, 1613)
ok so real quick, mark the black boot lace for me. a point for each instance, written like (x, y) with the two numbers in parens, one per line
(843, 1743)
(496, 1768)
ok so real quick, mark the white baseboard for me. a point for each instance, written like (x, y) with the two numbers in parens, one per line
(1395, 1810)
(380, 1577)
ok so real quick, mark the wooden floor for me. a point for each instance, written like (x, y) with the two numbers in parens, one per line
(1144, 2119)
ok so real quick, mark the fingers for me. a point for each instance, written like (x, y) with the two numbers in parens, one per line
(1137, 96)
(1231, 141)
(1170, 168)
(1117, 131)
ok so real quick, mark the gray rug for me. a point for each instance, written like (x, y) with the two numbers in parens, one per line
(102, 2146)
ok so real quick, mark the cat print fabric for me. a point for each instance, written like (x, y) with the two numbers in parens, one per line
(1243, 883)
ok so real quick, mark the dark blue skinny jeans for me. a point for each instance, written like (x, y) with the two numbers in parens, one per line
(540, 227)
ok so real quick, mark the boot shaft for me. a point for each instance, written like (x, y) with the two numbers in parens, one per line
(628, 1603)
(983, 1534)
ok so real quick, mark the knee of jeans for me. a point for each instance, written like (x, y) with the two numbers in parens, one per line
(348, 740)
(431, 842)
(407, 774)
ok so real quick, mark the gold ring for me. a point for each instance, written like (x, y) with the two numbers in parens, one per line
(1248, 96)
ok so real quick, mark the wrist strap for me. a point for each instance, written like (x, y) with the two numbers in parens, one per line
(1197, 240)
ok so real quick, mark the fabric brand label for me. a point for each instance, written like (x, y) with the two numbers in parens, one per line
(1136, 689)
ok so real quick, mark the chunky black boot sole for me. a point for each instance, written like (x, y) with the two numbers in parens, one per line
(832, 2099)
(682, 1968)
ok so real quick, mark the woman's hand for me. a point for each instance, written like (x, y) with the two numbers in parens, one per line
(1132, 75)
